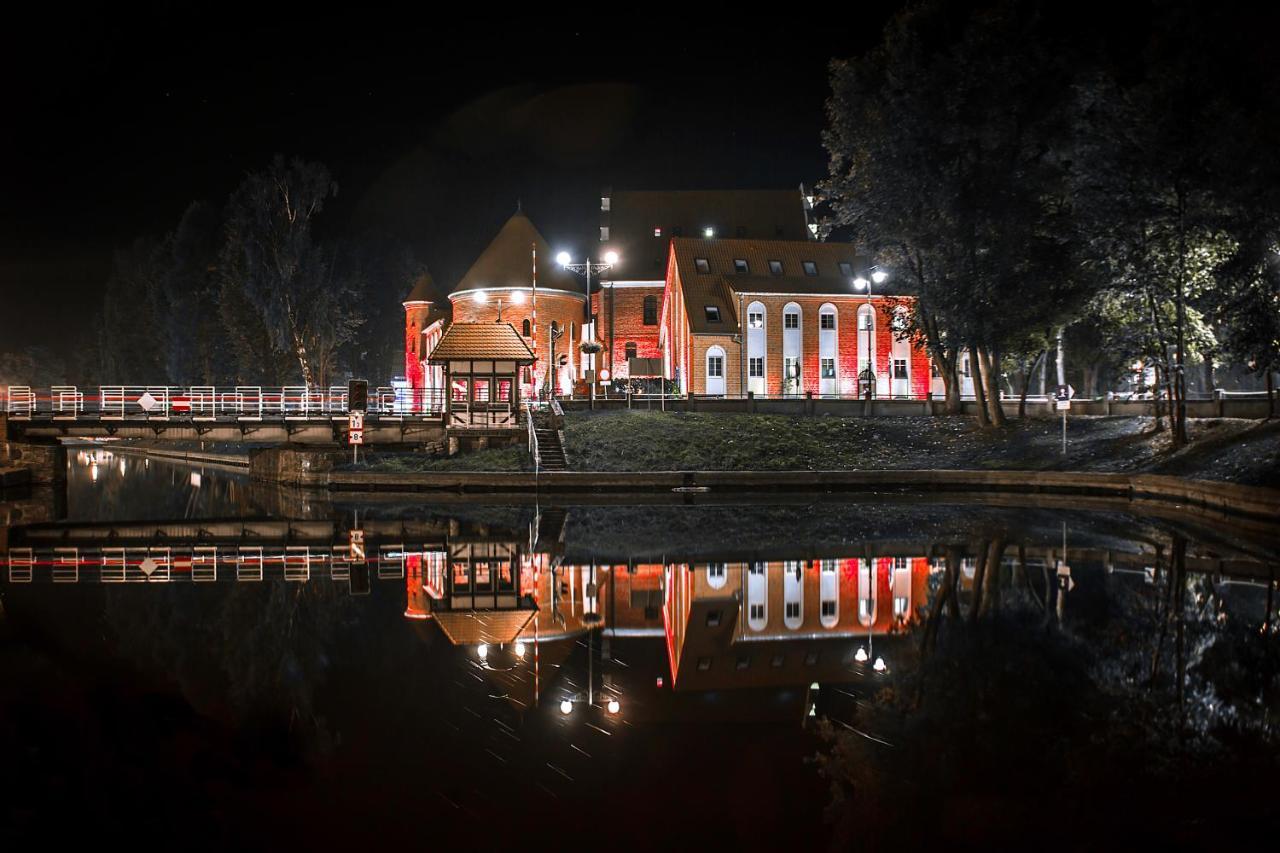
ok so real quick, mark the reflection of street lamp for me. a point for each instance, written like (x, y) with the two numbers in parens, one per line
(868, 376)
(483, 650)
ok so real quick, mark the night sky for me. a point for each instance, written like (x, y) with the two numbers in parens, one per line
(433, 133)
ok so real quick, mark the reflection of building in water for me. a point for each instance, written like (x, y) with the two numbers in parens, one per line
(735, 623)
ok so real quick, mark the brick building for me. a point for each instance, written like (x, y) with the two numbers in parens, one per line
(500, 285)
(639, 226)
(783, 318)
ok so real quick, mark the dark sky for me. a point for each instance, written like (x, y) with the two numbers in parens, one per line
(432, 131)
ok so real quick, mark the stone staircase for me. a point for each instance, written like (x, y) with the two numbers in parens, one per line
(546, 426)
(550, 450)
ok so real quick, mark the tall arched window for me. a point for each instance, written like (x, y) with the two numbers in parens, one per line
(866, 346)
(757, 349)
(828, 350)
(792, 349)
(631, 350)
(524, 327)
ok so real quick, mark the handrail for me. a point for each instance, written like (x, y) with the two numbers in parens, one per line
(533, 438)
(207, 402)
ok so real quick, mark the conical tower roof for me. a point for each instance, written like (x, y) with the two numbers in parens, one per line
(423, 290)
(506, 262)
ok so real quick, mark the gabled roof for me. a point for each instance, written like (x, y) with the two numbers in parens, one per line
(634, 215)
(498, 341)
(507, 261)
(721, 283)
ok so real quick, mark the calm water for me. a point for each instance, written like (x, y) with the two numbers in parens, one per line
(196, 660)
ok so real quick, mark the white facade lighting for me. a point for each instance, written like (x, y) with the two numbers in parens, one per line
(708, 232)
(481, 296)
(517, 297)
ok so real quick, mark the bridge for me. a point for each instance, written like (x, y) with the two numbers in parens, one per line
(288, 414)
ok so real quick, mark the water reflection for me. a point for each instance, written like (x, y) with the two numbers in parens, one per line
(590, 655)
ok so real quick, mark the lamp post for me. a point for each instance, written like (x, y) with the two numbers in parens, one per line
(589, 268)
(878, 276)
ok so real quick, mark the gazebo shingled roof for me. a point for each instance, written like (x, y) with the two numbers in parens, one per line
(486, 341)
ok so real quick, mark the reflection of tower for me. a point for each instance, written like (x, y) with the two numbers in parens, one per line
(416, 606)
(590, 596)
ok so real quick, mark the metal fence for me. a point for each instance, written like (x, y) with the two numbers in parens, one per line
(210, 403)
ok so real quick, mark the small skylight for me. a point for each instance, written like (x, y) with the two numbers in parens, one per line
(713, 314)
(810, 268)
(702, 265)
(775, 267)
(740, 266)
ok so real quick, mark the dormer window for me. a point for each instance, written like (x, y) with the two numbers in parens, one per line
(740, 266)
(810, 268)
(702, 266)
(713, 314)
(657, 232)
(604, 203)
(775, 267)
(604, 233)
(846, 269)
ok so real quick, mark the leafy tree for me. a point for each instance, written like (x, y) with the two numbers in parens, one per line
(947, 143)
(271, 267)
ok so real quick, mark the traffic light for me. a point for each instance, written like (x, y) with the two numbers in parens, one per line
(358, 395)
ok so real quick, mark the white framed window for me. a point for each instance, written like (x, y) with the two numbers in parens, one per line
(864, 319)
(791, 320)
(828, 368)
(900, 563)
(899, 368)
(755, 367)
(604, 233)
(827, 321)
(604, 202)
(715, 365)
(900, 605)
(755, 319)
(756, 611)
(828, 609)
(793, 610)
(791, 368)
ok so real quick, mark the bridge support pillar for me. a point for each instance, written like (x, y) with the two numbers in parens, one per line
(46, 462)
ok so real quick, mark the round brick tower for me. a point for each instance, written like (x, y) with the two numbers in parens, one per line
(501, 280)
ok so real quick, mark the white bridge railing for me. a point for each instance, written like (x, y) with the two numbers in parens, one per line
(210, 403)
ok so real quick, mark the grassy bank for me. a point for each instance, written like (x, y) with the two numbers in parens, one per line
(1246, 452)
(1235, 450)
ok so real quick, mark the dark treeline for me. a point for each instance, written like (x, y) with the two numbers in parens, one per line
(245, 293)
(1050, 182)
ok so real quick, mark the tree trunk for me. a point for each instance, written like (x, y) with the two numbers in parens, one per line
(979, 393)
(1271, 394)
(1156, 403)
(991, 579)
(991, 375)
(979, 580)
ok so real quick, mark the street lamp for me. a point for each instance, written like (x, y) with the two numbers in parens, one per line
(588, 268)
(868, 376)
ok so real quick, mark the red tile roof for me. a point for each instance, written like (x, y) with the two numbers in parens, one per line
(498, 341)
(720, 285)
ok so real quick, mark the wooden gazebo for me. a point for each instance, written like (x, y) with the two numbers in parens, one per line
(482, 365)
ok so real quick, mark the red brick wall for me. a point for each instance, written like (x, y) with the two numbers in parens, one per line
(562, 307)
(415, 315)
(620, 319)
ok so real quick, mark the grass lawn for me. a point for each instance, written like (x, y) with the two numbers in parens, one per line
(1242, 451)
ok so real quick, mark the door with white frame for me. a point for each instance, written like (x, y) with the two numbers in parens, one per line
(715, 370)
